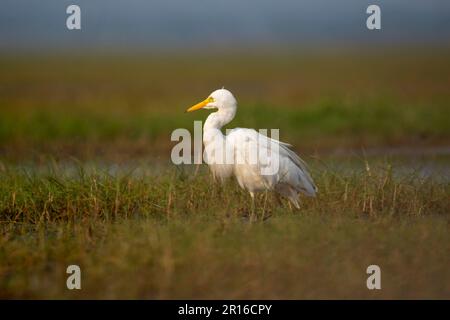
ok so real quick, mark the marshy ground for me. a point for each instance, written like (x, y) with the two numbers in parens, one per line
(86, 178)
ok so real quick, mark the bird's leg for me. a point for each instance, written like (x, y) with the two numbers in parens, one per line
(252, 214)
(196, 170)
(290, 206)
(265, 205)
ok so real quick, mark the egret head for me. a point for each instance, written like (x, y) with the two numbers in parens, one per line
(221, 99)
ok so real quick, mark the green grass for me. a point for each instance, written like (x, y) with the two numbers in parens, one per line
(176, 235)
(325, 125)
(324, 118)
(318, 101)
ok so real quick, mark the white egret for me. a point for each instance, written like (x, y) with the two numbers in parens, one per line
(291, 176)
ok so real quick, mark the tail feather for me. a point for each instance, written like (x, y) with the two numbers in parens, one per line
(307, 185)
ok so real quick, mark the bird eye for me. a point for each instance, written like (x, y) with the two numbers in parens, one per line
(210, 99)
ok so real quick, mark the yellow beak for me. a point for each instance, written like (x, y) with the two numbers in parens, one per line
(200, 104)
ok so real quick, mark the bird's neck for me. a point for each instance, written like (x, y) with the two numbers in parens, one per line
(214, 122)
(219, 119)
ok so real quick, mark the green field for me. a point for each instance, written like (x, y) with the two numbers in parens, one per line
(96, 106)
(86, 178)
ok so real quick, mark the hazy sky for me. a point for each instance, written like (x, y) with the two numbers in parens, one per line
(130, 24)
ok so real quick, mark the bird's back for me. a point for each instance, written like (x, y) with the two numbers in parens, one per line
(291, 176)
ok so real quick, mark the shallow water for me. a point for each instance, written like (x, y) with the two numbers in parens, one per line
(427, 163)
(430, 163)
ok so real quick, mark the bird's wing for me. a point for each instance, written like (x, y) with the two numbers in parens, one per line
(270, 154)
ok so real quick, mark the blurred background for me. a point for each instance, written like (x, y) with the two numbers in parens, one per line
(127, 26)
(310, 68)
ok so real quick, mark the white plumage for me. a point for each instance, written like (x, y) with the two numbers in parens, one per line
(258, 162)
